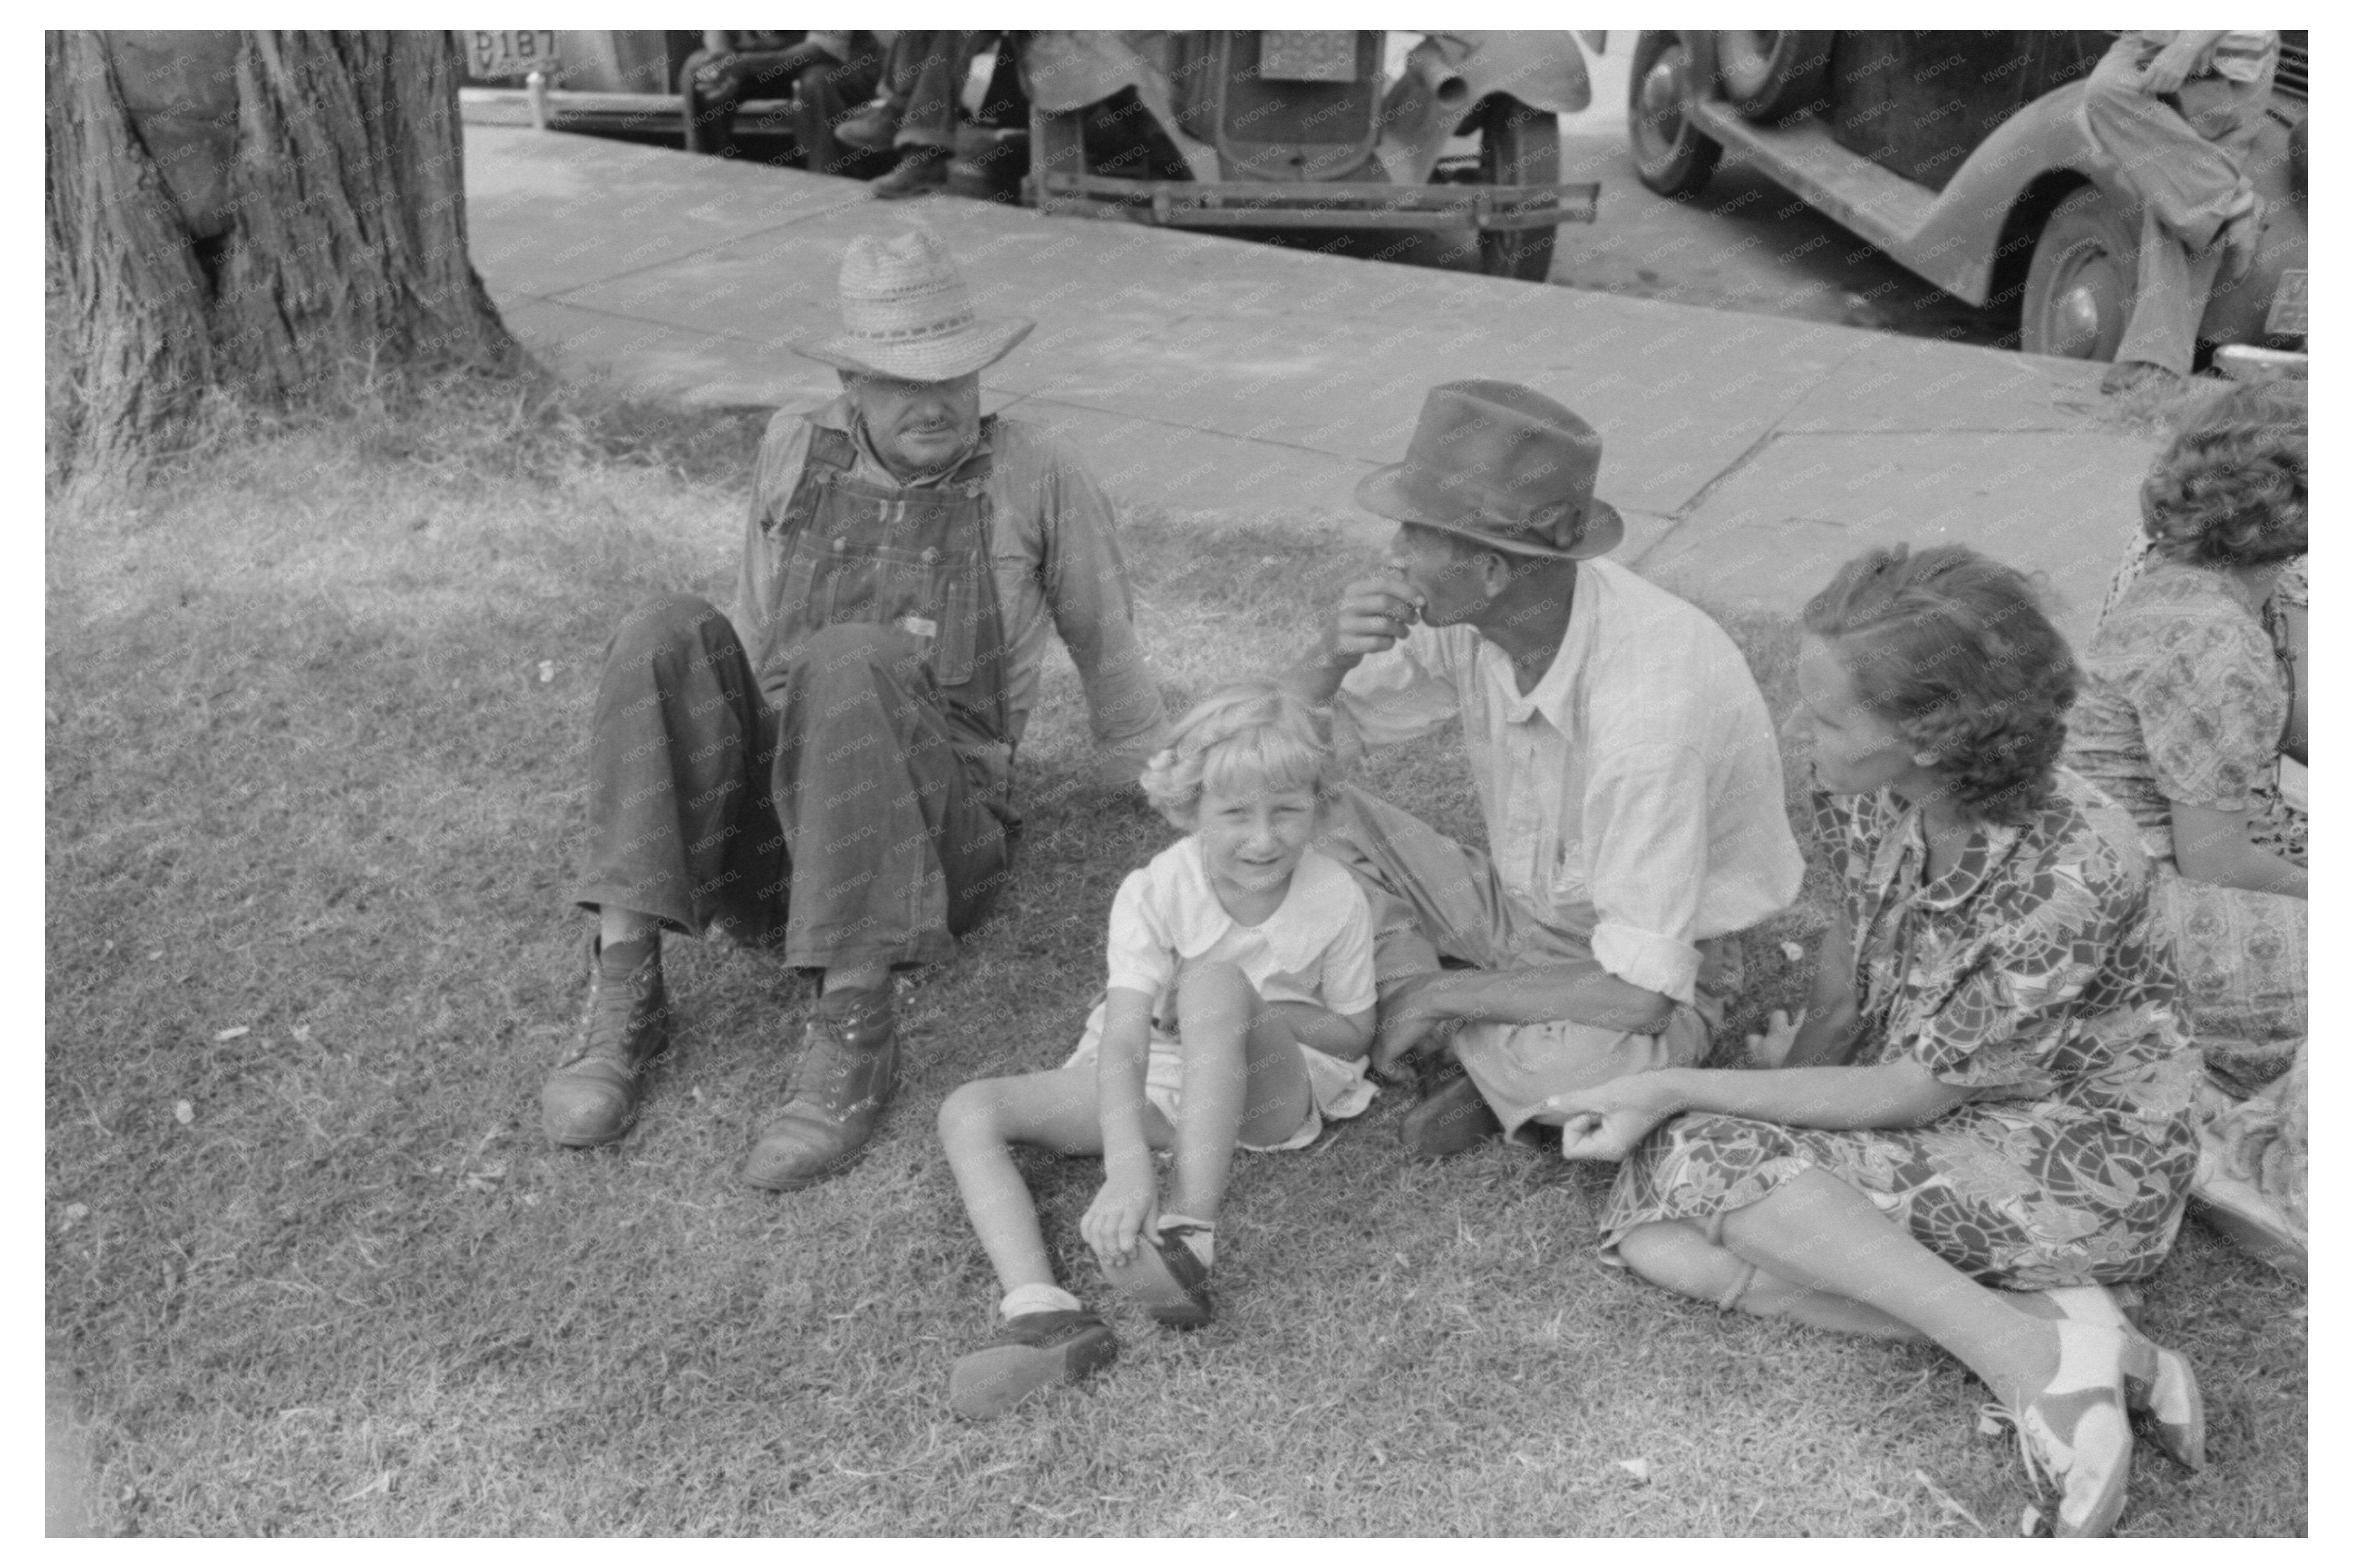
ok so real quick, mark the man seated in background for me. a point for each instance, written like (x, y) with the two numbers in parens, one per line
(2178, 112)
(823, 73)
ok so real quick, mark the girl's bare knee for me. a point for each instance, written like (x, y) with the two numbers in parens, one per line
(1215, 993)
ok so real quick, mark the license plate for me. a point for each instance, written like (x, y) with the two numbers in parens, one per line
(2286, 318)
(1307, 57)
(495, 57)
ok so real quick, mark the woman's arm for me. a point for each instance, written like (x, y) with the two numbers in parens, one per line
(2212, 846)
(2299, 679)
(1606, 1122)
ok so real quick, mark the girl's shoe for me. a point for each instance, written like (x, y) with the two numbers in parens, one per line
(1165, 1276)
(2075, 1433)
(2159, 1382)
(1034, 1351)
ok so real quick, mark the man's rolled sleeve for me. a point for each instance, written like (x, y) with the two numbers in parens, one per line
(1649, 865)
(1086, 591)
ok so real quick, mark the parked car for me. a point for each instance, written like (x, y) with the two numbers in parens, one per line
(1965, 157)
(1293, 129)
(1235, 130)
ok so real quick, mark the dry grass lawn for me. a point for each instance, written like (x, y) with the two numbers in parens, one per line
(316, 720)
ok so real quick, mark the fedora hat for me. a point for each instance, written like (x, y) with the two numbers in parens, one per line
(1502, 464)
(906, 314)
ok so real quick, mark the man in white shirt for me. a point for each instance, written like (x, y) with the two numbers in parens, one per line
(1624, 762)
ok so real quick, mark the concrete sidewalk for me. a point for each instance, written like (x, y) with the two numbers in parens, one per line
(1750, 454)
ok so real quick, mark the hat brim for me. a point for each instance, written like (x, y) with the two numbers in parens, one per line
(976, 347)
(1382, 492)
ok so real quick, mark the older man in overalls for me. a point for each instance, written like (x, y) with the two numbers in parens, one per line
(828, 766)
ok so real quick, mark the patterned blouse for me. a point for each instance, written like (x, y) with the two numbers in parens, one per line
(2030, 971)
(2187, 700)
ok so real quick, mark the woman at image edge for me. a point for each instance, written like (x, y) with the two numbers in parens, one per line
(2014, 1122)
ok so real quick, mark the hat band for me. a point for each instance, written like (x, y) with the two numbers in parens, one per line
(942, 329)
(1563, 519)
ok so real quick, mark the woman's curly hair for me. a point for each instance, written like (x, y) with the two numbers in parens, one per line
(2229, 491)
(1952, 650)
(1252, 735)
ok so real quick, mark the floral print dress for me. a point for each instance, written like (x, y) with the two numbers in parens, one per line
(2030, 975)
(2186, 701)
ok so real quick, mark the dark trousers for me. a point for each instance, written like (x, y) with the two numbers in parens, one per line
(923, 78)
(822, 803)
(824, 95)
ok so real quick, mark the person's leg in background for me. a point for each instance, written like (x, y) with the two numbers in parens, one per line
(928, 76)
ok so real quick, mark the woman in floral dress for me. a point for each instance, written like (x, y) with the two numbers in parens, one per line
(2192, 721)
(1990, 1091)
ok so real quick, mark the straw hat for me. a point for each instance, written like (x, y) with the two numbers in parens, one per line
(1502, 464)
(906, 314)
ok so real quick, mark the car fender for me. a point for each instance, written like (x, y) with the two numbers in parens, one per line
(1447, 75)
(1958, 248)
(1063, 71)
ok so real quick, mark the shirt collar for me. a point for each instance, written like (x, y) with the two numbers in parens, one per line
(1989, 848)
(1550, 695)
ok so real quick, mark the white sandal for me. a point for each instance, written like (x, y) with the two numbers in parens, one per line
(2159, 1382)
(2075, 1433)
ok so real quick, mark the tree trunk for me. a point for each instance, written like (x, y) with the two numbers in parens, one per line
(257, 211)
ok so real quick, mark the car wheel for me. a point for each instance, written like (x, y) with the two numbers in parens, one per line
(1774, 75)
(2081, 283)
(1669, 156)
(1517, 146)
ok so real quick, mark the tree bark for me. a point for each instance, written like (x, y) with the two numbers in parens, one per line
(257, 212)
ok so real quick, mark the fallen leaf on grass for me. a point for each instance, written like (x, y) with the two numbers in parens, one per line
(239, 1033)
(77, 1213)
(1794, 952)
(301, 1034)
(1949, 1503)
(546, 671)
(183, 1113)
(1638, 1469)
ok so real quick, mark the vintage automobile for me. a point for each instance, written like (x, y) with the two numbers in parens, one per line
(1297, 130)
(1965, 157)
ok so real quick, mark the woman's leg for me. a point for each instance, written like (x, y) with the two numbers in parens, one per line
(1819, 1233)
(1678, 1255)
(981, 1121)
(1243, 1083)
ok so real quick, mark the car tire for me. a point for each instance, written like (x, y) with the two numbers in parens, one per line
(2081, 283)
(1774, 75)
(1519, 145)
(1669, 156)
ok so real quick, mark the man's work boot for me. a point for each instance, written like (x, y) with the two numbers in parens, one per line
(870, 129)
(847, 1071)
(920, 172)
(592, 1098)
